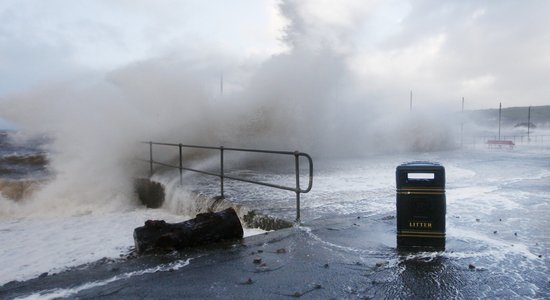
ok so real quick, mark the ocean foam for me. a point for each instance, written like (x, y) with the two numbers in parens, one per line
(32, 246)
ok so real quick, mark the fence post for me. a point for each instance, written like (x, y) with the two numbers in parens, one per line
(221, 171)
(297, 163)
(150, 159)
(181, 166)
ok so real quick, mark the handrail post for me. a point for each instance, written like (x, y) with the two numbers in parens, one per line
(297, 163)
(221, 171)
(181, 166)
(150, 159)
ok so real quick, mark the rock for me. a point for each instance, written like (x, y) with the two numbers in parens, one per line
(19, 189)
(257, 260)
(471, 266)
(380, 264)
(326, 266)
(281, 250)
(253, 219)
(150, 193)
(206, 228)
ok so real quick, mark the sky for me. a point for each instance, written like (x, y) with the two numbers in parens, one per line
(45, 41)
(485, 51)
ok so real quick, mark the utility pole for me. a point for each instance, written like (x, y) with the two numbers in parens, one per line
(221, 84)
(462, 125)
(411, 102)
(528, 124)
(499, 115)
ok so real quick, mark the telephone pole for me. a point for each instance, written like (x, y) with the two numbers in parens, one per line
(499, 115)
(221, 84)
(411, 102)
(462, 125)
(528, 124)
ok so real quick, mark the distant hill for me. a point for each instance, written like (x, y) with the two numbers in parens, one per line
(511, 116)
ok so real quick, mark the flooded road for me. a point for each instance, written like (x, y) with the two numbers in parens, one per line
(496, 246)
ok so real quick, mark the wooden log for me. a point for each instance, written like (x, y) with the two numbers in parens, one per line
(205, 228)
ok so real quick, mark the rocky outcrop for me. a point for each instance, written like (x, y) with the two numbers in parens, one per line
(18, 189)
(206, 228)
(152, 194)
(149, 192)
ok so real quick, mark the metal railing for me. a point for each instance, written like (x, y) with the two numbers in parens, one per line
(297, 188)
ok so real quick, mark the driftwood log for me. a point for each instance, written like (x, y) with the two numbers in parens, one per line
(206, 228)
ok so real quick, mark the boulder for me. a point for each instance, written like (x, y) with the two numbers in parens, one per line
(205, 228)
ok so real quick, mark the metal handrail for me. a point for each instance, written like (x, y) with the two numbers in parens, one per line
(297, 189)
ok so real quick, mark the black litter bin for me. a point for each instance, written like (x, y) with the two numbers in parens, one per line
(421, 205)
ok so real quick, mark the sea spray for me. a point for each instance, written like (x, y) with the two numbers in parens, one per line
(307, 98)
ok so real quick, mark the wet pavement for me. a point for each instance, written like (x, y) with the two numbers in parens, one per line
(350, 257)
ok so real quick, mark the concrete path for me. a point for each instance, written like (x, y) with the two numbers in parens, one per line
(351, 257)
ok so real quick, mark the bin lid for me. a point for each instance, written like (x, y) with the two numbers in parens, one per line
(421, 165)
(404, 180)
